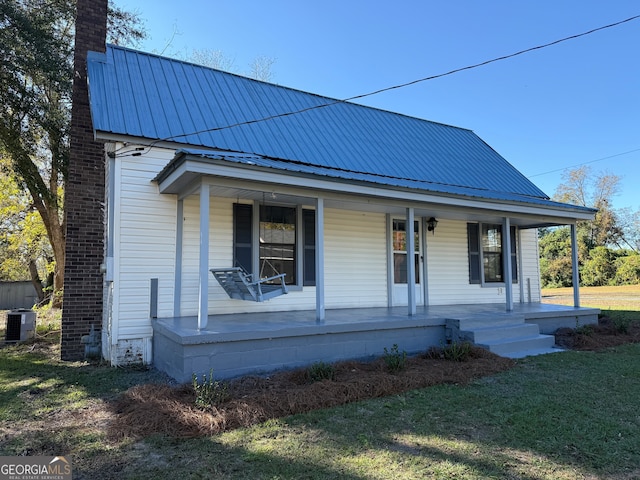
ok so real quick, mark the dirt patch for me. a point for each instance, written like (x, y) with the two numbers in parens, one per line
(597, 337)
(161, 409)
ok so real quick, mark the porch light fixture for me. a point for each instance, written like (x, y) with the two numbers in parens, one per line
(431, 225)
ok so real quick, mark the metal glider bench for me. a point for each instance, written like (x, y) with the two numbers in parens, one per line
(240, 284)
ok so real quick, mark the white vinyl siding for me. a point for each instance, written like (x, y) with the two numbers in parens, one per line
(529, 273)
(355, 262)
(144, 247)
(355, 259)
(448, 269)
(221, 256)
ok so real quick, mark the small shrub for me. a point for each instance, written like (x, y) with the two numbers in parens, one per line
(210, 392)
(622, 325)
(457, 351)
(434, 353)
(585, 330)
(321, 371)
(394, 359)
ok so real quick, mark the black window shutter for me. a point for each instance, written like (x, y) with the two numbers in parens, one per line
(242, 235)
(514, 256)
(309, 243)
(473, 238)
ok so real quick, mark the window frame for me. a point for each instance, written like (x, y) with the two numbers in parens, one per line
(276, 240)
(402, 251)
(249, 227)
(476, 254)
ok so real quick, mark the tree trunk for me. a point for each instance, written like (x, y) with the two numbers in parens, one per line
(58, 244)
(35, 280)
(45, 200)
(55, 232)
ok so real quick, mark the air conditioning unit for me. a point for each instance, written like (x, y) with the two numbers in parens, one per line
(21, 326)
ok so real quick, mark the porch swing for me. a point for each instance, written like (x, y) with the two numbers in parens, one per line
(241, 285)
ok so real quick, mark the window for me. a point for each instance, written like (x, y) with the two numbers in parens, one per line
(281, 244)
(491, 244)
(400, 251)
(277, 252)
(485, 245)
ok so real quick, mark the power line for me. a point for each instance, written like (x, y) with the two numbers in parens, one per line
(420, 80)
(487, 62)
(394, 87)
(584, 163)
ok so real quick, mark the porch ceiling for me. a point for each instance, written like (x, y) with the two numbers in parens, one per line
(247, 181)
(283, 196)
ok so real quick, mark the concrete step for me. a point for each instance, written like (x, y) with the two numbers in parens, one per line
(515, 345)
(503, 332)
(485, 321)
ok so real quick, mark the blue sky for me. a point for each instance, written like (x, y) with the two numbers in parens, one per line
(543, 111)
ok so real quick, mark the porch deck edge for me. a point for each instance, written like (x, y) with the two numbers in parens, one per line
(549, 321)
(255, 343)
(566, 312)
(193, 336)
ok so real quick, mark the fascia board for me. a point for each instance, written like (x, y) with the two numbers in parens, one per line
(264, 175)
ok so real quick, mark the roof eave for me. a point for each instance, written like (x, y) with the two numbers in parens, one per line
(181, 171)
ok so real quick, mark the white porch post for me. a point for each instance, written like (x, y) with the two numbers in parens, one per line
(574, 266)
(411, 266)
(320, 260)
(177, 282)
(506, 261)
(203, 268)
(389, 236)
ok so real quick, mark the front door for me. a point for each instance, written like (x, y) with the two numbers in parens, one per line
(399, 258)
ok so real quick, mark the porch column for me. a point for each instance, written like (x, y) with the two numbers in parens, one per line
(319, 259)
(411, 266)
(574, 266)
(203, 268)
(506, 261)
(177, 278)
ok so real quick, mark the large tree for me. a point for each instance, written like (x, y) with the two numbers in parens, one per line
(582, 187)
(24, 248)
(36, 72)
(607, 246)
(260, 68)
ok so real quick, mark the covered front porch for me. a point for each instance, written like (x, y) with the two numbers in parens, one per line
(348, 245)
(239, 344)
(353, 288)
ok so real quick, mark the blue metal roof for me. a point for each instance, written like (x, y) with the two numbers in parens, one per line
(138, 94)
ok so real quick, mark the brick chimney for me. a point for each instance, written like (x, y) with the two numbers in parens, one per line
(84, 195)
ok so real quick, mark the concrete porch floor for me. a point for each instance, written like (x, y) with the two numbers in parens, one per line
(246, 343)
(240, 325)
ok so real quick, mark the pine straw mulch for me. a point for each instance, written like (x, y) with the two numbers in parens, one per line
(597, 337)
(168, 410)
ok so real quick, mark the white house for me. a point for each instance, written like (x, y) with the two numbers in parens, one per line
(389, 229)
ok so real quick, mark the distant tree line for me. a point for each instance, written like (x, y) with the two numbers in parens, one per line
(608, 246)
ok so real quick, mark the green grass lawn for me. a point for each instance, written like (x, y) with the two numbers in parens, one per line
(570, 415)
